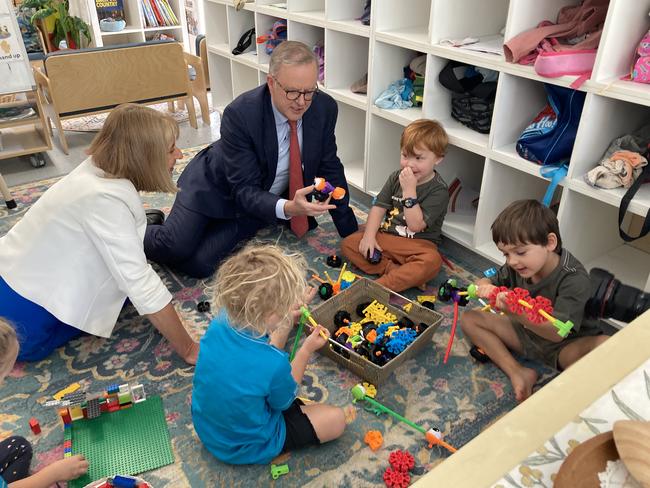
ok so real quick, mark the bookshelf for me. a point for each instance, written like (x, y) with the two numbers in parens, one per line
(487, 164)
(141, 26)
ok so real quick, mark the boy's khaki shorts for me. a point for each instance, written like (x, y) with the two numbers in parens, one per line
(536, 348)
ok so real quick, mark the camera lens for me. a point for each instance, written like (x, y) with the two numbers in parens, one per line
(612, 299)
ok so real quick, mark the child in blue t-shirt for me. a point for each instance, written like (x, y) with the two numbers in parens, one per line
(244, 404)
(16, 452)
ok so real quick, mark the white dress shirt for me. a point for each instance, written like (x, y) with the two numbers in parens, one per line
(78, 252)
(281, 181)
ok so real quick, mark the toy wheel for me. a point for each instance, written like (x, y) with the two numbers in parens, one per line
(445, 292)
(325, 291)
(342, 318)
(479, 355)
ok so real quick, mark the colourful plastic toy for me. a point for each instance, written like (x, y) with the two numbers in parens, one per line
(278, 470)
(401, 460)
(374, 439)
(396, 479)
(35, 426)
(323, 190)
(537, 309)
(359, 394)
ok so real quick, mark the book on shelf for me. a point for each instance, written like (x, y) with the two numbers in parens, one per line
(110, 8)
(158, 13)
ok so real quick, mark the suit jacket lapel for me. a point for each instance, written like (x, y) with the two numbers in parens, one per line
(270, 141)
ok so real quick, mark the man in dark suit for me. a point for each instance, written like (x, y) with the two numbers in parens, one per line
(274, 139)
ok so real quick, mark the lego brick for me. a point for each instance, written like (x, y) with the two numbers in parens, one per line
(69, 389)
(129, 441)
(34, 425)
(137, 394)
(76, 413)
(119, 481)
(93, 409)
(124, 398)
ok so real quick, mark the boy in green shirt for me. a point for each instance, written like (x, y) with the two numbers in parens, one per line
(528, 235)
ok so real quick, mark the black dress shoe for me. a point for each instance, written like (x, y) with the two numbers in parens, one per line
(154, 216)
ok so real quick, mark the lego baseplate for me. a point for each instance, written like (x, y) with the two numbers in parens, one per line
(129, 441)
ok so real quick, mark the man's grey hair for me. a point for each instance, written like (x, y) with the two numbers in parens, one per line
(290, 53)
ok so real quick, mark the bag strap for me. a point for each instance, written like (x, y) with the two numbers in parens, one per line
(556, 173)
(644, 177)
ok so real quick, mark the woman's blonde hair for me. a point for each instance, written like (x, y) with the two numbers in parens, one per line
(258, 281)
(134, 143)
(7, 340)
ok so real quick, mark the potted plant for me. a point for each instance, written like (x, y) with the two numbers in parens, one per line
(56, 19)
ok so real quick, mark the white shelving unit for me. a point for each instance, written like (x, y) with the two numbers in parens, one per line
(136, 29)
(487, 164)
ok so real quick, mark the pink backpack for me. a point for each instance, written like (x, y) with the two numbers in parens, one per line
(641, 64)
(569, 62)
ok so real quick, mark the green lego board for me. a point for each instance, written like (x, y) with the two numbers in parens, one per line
(129, 441)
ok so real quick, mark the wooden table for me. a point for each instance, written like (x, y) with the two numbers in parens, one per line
(484, 460)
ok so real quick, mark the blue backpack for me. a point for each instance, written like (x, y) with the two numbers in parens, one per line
(549, 138)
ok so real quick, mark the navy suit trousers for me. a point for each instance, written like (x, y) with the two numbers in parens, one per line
(195, 243)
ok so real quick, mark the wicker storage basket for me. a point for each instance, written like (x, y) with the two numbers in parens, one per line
(364, 290)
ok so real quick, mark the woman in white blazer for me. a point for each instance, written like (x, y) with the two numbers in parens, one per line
(69, 264)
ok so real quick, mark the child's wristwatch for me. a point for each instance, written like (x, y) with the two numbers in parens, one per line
(410, 202)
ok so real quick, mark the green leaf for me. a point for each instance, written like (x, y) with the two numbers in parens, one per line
(631, 414)
(542, 460)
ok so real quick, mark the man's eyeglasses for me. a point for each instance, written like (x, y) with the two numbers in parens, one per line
(295, 94)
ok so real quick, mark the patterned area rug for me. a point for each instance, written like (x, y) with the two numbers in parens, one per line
(461, 398)
(92, 123)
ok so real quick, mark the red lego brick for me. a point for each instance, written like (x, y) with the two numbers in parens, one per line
(34, 425)
(67, 443)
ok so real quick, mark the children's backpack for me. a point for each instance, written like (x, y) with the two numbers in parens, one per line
(641, 63)
(319, 51)
(549, 138)
(275, 36)
(553, 64)
(472, 98)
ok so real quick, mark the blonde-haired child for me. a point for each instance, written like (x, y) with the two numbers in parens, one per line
(16, 452)
(69, 264)
(244, 404)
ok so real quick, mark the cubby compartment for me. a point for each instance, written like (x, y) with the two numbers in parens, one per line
(220, 80)
(351, 141)
(340, 76)
(238, 23)
(264, 24)
(383, 153)
(517, 103)
(309, 11)
(627, 22)
(526, 14)
(344, 14)
(608, 120)
(157, 33)
(589, 229)
(309, 34)
(500, 187)
(437, 105)
(388, 64)
(467, 167)
(449, 21)
(216, 30)
(405, 24)
(244, 78)
(123, 38)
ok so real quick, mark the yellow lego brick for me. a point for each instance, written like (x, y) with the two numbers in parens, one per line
(76, 413)
(70, 389)
(407, 307)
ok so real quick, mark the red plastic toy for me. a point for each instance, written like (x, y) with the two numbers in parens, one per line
(34, 425)
(396, 479)
(401, 460)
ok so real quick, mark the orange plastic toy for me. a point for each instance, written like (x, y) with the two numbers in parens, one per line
(374, 439)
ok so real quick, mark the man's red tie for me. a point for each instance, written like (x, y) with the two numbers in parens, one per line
(299, 223)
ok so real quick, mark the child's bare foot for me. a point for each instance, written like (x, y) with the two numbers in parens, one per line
(523, 382)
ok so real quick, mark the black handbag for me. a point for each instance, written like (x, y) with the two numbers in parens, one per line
(644, 177)
(472, 99)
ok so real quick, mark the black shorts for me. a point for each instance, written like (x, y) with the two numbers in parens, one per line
(300, 432)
